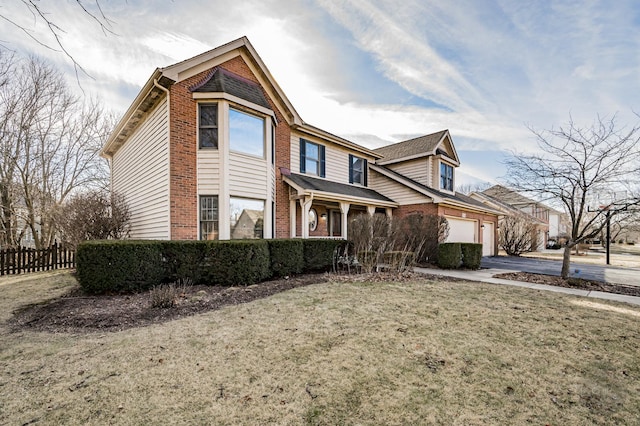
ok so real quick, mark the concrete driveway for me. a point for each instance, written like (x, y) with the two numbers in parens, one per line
(609, 274)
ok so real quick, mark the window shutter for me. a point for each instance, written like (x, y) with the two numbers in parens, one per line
(350, 168)
(303, 159)
(321, 155)
(365, 166)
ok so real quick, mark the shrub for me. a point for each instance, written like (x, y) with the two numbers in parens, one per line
(184, 259)
(399, 261)
(287, 256)
(367, 259)
(119, 266)
(471, 255)
(240, 262)
(167, 295)
(421, 233)
(449, 255)
(318, 254)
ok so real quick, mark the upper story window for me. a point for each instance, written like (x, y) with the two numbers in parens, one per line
(357, 170)
(246, 133)
(312, 158)
(208, 125)
(446, 177)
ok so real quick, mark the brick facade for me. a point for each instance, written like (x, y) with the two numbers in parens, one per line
(183, 156)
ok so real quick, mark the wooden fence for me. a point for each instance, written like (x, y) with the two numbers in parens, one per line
(23, 260)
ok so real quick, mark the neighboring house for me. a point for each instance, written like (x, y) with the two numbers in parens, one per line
(509, 210)
(211, 147)
(554, 223)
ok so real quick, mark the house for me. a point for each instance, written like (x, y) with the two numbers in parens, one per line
(552, 223)
(211, 146)
(508, 210)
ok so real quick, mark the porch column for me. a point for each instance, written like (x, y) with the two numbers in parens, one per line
(389, 212)
(344, 209)
(371, 210)
(292, 218)
(305, 203)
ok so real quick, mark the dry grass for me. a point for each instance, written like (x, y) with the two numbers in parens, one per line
(336, 353)
(625, 256)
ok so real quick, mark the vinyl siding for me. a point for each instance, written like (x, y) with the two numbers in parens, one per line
(336, 158)
(140, 172)
(208, 171)
(417, 170)
(394, 190)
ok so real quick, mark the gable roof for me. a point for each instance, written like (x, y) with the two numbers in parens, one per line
(509, 196)
(417, 147)
(156, 88)
(438, 197)
(504, 207)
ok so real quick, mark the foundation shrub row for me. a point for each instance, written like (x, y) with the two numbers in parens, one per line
(131, 266)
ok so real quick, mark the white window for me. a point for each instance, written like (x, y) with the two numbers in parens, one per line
(209, 217)
(246, 133)
(208, 125)
(446, 177)
(247, 218)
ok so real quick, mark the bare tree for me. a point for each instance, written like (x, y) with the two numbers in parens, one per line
(468, 188)
(574, 165)
(517, 235)
(49, 146)
(37, 13)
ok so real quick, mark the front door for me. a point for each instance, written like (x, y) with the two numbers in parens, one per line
(335, 223)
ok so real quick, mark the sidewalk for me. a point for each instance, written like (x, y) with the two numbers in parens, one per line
(486, 276)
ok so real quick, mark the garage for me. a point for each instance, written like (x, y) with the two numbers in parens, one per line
(461, 230)
(488, 236)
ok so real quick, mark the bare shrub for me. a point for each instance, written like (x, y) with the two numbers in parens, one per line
(421, 234)
(517, 235)
(167, 295)
(95, 215)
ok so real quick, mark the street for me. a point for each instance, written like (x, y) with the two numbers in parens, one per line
(609, 274)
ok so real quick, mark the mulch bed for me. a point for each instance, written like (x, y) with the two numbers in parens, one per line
(77, 312)
(577, 283)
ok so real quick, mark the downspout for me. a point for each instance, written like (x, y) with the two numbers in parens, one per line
(168, 93)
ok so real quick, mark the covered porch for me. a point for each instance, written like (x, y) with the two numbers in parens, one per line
(322, 209)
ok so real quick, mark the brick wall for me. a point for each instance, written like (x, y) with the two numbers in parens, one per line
(184, 196)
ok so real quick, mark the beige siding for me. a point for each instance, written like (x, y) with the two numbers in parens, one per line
(336, 158)
(208, 171)
(336, 164)
(248, 176)
(394, 190)
(295, 153)
(417, 170)
(140, 171)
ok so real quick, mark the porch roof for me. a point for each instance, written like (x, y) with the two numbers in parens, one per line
(322, 188)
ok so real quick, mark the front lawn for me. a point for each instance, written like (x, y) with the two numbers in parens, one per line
(418, 352)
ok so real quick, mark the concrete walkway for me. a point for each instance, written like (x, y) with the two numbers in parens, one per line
(486, 276)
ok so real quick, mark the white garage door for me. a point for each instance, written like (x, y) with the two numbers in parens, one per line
(488, 245)
(461, 231)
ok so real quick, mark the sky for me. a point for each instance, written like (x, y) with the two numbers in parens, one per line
(374, 72)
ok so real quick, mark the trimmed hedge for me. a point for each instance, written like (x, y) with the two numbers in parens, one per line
(238, 262)
(471, 255)
(286, 256)
(449, 255)
(131, 266)
(318, 254)
(119, 266)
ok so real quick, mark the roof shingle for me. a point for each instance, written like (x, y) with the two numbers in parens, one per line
(221, 80)
(412, 147)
